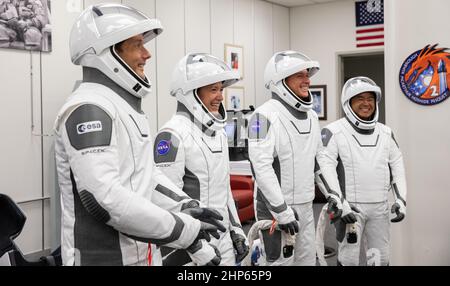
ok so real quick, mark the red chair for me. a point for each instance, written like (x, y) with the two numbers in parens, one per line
(242, 190)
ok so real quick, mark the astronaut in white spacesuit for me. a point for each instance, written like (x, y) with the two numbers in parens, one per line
(284, 138)
(192, 150)
(114, 201)
(362, 161)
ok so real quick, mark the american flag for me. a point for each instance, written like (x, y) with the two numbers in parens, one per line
(369, 23)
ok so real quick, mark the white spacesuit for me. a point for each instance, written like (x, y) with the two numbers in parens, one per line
(192, 150)
(114, 202)
(284, 137)
(362, 161)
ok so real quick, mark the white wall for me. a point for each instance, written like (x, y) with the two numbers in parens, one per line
(422, 131)
(325, 31)
(26, 158)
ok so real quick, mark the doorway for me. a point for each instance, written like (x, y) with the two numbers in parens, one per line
(367, 64)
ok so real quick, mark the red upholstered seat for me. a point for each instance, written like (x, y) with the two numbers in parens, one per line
(242, 190)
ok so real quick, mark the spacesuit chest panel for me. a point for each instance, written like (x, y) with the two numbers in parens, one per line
(206, 158)
(365, 158)
(296, 151)
(135, 131)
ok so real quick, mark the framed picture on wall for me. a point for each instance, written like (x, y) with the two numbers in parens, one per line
(26, 26)
(234, 98)
(319, 95)
(234, 57)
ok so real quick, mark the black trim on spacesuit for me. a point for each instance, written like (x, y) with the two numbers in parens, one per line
(394, 186)
(232, 221)
(277, 209)
(169, 193)
(176, 232)
(191, 184)
(174, 257)
(340, 170)
(361, 145)
(99, 247)
(262, 204)
(302, 133)
(397, 193)
(294, 112)
(96, 76)
(139, 129)
(393, 138)
(214, 151)
(83, 118)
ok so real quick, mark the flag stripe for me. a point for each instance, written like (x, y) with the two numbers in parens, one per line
(370, 30)
(369, 44)
(370, 41)
(370, 37)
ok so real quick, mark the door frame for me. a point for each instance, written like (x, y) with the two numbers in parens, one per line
(340, 70)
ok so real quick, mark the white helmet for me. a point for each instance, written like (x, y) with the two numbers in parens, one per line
(353, 87)
(196, 70)
(98, 29)
(282, 65)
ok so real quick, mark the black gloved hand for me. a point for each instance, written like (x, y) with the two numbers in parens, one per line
(350, 217)
(396, 209)
(206, 230)
(207, 215)
(239, 245)
(333, 209)
(292, 226)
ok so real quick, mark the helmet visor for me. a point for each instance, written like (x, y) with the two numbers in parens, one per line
(204, 65)
(357, 81)
(284, 60)
(106, 20)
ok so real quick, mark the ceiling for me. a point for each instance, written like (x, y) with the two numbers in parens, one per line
(294, 3)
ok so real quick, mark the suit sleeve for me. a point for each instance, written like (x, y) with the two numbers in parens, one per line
(169, 159)
(397, 168)
(326, 163)
(89, 137)
(263, 137)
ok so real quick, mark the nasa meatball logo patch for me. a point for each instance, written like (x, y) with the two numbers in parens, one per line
(87, 127)
(163, 147)
(424, 76)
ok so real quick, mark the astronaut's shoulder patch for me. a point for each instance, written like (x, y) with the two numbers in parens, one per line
(165, 148)
(326, 136)
(258, 127)
(89, 126)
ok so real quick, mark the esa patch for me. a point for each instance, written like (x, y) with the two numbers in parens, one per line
(89, 126)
